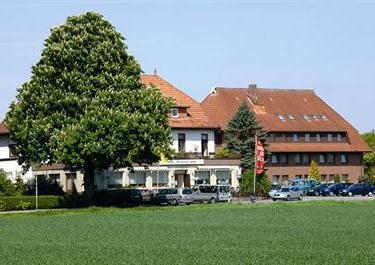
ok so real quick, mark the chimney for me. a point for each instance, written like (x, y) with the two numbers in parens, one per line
(252, 86)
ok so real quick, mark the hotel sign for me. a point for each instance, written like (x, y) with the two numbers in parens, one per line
(183, 162)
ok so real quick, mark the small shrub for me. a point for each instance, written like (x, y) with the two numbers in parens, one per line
(3, 206)
(336, 178)
(19, 185)
(262, 186)
(23, 205)
(222, 153)
(6, 185)
(367, 179)
(314, 171)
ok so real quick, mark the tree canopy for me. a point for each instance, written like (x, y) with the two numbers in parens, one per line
(369, 158)
(240, 135)
(85, 105)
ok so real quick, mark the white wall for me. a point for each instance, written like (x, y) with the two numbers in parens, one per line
(10, 165)
(193, 140)
(12, 169)
(4, 146)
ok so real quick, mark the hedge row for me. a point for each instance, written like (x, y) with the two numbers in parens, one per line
(10, 203)
(101, 198)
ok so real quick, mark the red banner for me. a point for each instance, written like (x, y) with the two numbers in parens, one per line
(260, 157)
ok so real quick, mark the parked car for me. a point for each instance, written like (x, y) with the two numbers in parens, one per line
(212, 193)
(274, 189)
(174, 196)
(359, 189)
(118, 197)
(147, 194)
(317, 190)
(304, 184)
(288, 193)
(335, 189)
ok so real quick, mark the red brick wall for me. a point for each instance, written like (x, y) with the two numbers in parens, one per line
(292, 171)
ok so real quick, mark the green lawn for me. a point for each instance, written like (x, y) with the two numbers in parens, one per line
(281, 233)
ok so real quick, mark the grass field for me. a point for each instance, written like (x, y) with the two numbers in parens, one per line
(281, 233)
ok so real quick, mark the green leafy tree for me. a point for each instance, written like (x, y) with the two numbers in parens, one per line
(369, 138)
(85, 105)
(369, 158)
(6, 185)
(262, 184)
(314, 171)
(240, 135)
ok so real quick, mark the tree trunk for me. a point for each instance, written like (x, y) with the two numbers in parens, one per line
(88, 181)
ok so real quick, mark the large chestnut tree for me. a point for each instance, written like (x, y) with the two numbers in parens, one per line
(85, 105)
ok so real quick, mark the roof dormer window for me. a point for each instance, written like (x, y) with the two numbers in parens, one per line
(174, 112)
(324, 117)
(281, 117)
(306, 118)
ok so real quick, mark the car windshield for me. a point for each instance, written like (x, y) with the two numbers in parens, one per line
(285, 189)
(168, 191)
(187, 191)
(223, 189)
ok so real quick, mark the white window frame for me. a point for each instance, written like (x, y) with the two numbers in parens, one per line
(174, 112)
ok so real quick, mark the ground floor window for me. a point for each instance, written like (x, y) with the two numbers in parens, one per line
(324, 178)
(137, 179)
(223, 177)
(275, 179)
(114, 179)
(285, 178)
(331, 178)
(161, 180)
(345, 178)
(298, 177)
(202, 177)
(71, 182)
(54, 178)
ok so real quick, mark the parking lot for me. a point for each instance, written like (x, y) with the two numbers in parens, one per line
(306, 199)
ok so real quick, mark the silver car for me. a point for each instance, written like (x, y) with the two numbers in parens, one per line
(288, 193)
(174, 196)
(212, 193)
(273, 191)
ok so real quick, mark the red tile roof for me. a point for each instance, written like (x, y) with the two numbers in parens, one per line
(3, 128)
(268, 104)
(196, 118)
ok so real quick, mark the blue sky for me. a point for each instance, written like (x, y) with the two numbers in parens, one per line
(325, 45)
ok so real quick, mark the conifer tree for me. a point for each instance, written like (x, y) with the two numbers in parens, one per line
(240, 135)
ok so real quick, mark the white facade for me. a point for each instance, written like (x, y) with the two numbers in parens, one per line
(193, 140)
(4, 146)
(10, 164)
(169, 175)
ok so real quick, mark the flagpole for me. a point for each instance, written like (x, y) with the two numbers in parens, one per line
(255, 160)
